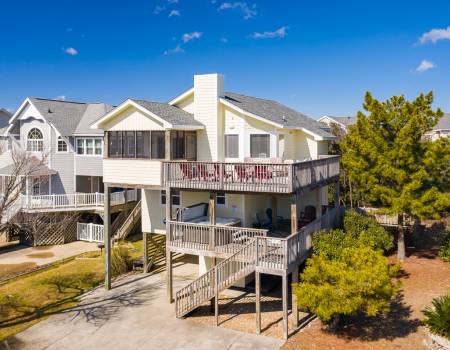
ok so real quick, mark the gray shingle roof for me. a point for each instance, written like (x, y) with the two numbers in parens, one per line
(444, 123)
(70, 117)
(4, 117)
(171, 114)
(33, 167)
(277, 113)
(347, 121)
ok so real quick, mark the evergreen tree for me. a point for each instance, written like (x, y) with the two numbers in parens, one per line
(391, 162)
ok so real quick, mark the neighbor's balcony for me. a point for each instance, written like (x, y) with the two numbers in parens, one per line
(251, 177)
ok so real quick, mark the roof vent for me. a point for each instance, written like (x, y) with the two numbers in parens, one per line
(284, 119)
(49, 110)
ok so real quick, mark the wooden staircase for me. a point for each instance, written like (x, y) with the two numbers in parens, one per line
(126, 224)
(216, 279)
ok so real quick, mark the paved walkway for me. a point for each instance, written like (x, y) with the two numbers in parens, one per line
(46, 254)
(134, 315)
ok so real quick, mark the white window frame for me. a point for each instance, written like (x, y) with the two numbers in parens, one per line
(162, 194)
(224, 195)
(250, 144)
(37, 145)
(84, 154)
(61, 139)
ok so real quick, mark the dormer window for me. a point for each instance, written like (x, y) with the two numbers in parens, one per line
(35, 140)
(62, 144)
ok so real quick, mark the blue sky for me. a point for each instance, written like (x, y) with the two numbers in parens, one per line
(316, 56)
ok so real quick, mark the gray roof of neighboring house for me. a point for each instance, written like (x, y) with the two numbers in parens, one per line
(277, 113)
(70, 117)
(347, 121)
(444, 123)
(33, 167)
(171, 114)
(4, 117)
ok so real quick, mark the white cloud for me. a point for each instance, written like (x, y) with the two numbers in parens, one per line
(71, 51)
(279, 33)
(175, 50)
(435, 35)
(247, 11)
(224, 40)
(424, 66)
(174, 13)
(191, 36)
(172, 1)
(158, 9)
(60, 98)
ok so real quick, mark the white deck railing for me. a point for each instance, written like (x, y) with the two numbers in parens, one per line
(251, 177)
(74, 200)
(90, 232)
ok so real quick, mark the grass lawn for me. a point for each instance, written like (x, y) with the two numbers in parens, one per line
(26, 300)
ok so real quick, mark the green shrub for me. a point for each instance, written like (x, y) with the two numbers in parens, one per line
(367, 230)
(121, 261)
(331, 243)
(444, 251)
(437, 318)
(359, 279)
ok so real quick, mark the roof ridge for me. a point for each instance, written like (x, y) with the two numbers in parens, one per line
(64, 101)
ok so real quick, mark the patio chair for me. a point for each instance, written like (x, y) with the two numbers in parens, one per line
(307, 216)
(186, 170)
(242, 173)
(203, 172)
(262, 172)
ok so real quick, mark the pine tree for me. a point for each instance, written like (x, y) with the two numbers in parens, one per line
(391, 162)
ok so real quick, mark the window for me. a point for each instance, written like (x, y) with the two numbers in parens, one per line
(98, 147)
(62, 145)
(90, 146)
(176, 198)
(183, 144)
(158, 145)
(129, 144)
(231, 146)
(260, 146)
(220, 198)
(35, 141)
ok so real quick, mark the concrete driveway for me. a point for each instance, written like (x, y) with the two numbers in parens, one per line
(134, 315)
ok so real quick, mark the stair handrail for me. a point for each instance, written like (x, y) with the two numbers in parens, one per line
(129, 221)
(216, 279)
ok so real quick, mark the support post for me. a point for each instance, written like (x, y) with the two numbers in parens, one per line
(318, 202)
(258, 301)
(145, 241)
(167, 148)
(107, 235)
(216, 296)
(212, 219)
(285, 307)
(274, 211)
(336, 194)
(294, 219)
(294, 297)
(168, 252)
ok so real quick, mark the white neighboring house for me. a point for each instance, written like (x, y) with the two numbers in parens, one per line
(442, 129)
(215, 165)
(5, 115)
(342, 122)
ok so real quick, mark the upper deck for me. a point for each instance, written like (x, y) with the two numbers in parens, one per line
(251, 177)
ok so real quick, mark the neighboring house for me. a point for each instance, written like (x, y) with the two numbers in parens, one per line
(442, 129)
(60, 130)
(56, 136)
(342, 122)
(235, 162)
(4, 122)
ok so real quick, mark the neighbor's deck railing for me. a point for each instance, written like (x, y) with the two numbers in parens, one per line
(251, 177)
(74, 200)
(90, 232)
(209, 238)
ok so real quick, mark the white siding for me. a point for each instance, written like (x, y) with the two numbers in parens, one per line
(132, 171)
(187, 104)
(88, 165)
(133, 119)
(207, 89)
